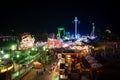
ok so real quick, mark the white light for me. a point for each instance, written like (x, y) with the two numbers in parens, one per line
(6, 56)
(62, 76)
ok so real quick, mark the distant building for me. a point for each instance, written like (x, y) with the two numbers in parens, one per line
(7, 38)
(7, 41)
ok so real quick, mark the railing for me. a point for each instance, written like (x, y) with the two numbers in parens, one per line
(6, 68)
(21, 73)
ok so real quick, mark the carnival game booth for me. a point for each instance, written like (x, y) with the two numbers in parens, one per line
(62, 72)
(61, 68)
(37, 65)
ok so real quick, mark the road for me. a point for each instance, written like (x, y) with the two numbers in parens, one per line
(47, 75)
(42, 75)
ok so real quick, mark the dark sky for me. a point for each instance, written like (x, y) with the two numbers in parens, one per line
(47, 16)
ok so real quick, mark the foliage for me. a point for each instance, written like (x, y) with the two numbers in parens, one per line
(7, 43)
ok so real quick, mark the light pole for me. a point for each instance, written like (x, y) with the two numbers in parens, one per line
(13, 47)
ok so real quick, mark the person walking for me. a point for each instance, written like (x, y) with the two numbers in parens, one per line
(37, 75)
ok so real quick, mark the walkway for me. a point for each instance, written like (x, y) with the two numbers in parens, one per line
(38, 74)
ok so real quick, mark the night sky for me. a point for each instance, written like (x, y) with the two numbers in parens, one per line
(38, 16)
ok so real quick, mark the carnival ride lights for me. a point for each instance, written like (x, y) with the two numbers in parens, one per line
(40, 44)
(27, 41)
(65, 45)
(56, 43)
(59, 34)
(92, 35)
(76, 22)
(83, 39)
(53, 43)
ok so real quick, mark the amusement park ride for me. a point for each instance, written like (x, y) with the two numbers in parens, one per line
(76, 21)
(92, 35)
(62, 34)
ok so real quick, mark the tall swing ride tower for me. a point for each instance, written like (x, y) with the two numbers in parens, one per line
(92, 35)
(76, 21)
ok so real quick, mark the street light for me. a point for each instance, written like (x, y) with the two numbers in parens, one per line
(13, 47)
(1, 53)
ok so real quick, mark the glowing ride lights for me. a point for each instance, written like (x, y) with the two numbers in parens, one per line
(76, 22)
(53, 43)
(27, 41)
